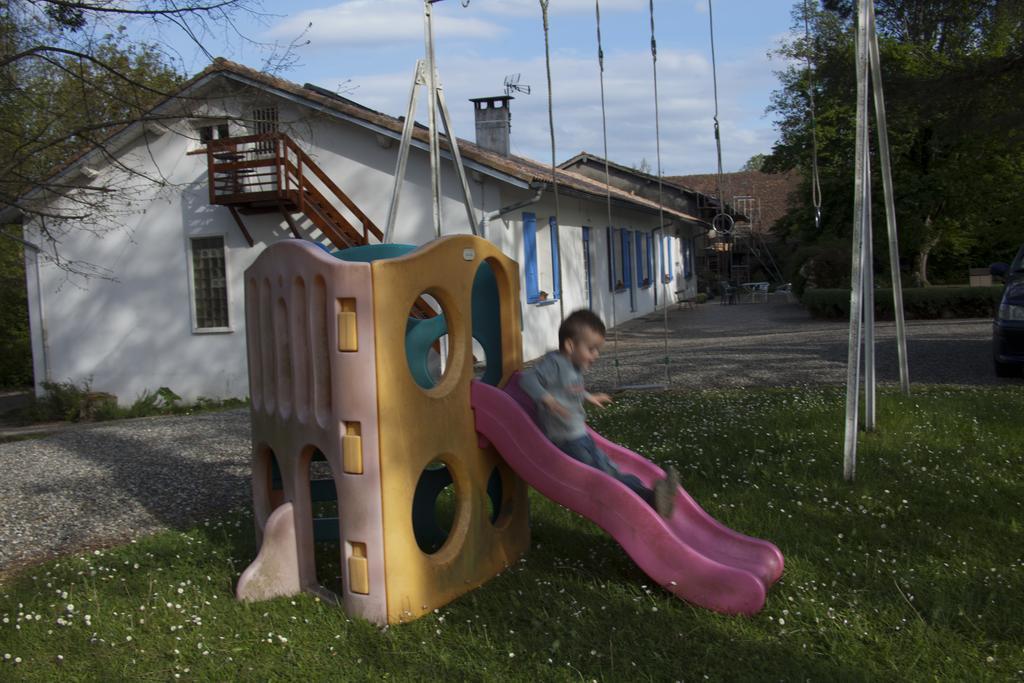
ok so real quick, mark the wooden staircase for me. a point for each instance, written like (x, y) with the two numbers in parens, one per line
(269, 173)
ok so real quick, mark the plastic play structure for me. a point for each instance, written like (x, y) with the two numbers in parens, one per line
(343, 361)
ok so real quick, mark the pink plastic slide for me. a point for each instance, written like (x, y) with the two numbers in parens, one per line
(691, 555)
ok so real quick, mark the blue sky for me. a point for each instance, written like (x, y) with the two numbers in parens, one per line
(367, 49)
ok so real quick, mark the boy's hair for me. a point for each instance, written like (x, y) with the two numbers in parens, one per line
(572, 327)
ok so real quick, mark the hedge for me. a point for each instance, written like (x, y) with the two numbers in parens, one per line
(919, 303)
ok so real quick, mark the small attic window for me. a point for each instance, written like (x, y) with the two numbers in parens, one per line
(213, 131)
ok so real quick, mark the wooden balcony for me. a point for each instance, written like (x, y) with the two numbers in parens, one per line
(270, 173)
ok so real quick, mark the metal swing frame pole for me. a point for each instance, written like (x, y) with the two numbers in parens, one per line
(861, 199)
(426, 74)
(890, 203)
(862, 320)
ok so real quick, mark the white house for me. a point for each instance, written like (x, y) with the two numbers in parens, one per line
(171, 310)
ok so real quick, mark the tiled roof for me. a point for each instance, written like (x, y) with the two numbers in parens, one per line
(772, 190)
(526, 170)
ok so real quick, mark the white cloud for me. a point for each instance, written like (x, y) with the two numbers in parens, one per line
(531, 8)
(371, 22)
(686, 105)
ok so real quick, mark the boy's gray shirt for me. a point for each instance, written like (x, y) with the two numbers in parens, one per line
(555, 374)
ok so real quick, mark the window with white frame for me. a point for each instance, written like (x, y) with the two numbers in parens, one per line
(618, 259)
(264, 121)
(667, 259)
(209, 283)
(644, 260)
(209, 131)
(540, 251)
(586, 266)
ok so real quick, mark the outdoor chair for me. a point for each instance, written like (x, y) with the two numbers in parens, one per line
(728, 293)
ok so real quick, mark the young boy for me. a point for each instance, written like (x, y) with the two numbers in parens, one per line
(555, 384)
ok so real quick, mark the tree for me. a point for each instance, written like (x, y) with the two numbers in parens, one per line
(953, 73)
(72, 75)
(755, 163)
(15, 348)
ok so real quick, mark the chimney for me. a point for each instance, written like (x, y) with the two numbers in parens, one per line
(493, 122)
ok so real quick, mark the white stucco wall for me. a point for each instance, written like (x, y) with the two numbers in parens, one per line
(134, 332)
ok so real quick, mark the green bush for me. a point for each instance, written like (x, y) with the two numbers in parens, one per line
(919, 303)
(702, 298)
(160, 402)
(67, 401)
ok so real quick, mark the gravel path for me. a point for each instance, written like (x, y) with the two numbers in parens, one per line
(91, 485)
(779, 344)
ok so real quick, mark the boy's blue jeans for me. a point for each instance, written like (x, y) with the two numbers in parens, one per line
(586, 451)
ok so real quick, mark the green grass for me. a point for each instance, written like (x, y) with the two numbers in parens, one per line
(914, 572)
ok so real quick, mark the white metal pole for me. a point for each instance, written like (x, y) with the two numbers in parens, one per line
(890, 204)
(867, 257)
(857, 273)
(453, 142)
(403, 150)
(435, 157)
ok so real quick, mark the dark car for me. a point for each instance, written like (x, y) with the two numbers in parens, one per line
(1008, 327)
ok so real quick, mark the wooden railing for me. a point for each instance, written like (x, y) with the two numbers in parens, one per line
(269, 169)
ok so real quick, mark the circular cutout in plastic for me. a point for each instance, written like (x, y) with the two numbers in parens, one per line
(427, 347)
(435, 506)
(495, 493)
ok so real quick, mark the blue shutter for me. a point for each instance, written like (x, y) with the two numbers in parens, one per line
(530, 256)
(627, 273)
(555, 269)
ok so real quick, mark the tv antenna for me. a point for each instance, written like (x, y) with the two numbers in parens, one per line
(512, 85)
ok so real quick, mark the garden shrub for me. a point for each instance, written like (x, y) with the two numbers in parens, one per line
(67, 401)
(919, 303)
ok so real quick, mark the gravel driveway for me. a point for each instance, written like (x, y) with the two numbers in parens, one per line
(780, 344)
(96, 484)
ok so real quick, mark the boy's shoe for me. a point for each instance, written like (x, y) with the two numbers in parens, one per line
(665, 493)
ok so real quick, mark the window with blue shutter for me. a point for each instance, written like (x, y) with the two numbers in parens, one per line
(627, 272)
(540, 254)
(639, 241)
(688, 259)
(664, 264)
(618, 260)
(586, 266)
(671, 248)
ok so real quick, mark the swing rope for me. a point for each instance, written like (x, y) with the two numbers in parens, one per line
(608, 196)
(815, 178)
(661, 211)
(551, 130)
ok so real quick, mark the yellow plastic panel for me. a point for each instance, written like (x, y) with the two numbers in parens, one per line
(348, 335)
(419, 425)
(358, 570)
(352, 449)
